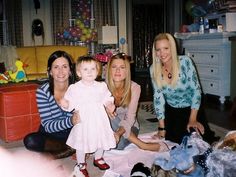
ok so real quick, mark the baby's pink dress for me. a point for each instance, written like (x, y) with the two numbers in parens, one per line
(94, 130)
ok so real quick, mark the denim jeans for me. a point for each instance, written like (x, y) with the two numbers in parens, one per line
(115, 123)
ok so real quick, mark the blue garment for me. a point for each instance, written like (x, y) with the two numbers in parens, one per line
(53, 118)
(186, 93)
(124, 142)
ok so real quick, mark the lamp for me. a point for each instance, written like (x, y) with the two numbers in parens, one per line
(107, 35)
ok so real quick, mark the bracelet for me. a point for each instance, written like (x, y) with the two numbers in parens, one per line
(161, 128)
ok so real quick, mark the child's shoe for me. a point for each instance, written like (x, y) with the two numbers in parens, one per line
(101, 164)
(80, 170)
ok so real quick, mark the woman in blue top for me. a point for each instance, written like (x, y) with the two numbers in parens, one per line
(55, 122)
(177, 92)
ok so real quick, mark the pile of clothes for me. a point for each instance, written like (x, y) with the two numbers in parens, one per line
(194, 158)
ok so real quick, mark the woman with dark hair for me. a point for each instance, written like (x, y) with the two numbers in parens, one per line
(56, 123)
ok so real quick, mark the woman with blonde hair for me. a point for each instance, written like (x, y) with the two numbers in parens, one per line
(126, 94)
(177, 92)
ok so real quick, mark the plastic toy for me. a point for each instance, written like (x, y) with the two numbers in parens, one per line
(19, 75)
(4, 78)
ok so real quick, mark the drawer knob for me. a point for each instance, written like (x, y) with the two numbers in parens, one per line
(212, 56)
(211, 85)
(212, 70)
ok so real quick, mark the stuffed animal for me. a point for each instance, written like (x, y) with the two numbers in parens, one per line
(140, 169)
(181, 159)
(157, 171)
(228, 142)
(19, 75)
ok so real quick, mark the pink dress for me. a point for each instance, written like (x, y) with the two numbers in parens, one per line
(94, 130)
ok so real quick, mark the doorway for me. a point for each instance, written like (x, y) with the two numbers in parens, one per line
(147, 21)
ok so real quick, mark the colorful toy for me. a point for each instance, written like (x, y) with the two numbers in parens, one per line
(19, 75)
(4, 78)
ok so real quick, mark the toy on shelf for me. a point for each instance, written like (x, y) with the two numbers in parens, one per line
(4, 78)
(19, 75)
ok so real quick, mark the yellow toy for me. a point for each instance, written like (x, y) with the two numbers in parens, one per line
(19, 75)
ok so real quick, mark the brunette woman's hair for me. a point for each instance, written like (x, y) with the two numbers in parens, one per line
(55, 55)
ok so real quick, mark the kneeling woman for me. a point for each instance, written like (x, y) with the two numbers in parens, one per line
(126, 94)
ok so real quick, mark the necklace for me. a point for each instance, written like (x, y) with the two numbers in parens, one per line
(169, 75)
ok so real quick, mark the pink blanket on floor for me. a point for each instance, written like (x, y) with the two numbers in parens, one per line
(122, 161)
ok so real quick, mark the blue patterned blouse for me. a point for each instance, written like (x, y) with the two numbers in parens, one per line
(53, 118)
(187, 91)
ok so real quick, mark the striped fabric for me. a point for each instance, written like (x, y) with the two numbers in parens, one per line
(53, 118)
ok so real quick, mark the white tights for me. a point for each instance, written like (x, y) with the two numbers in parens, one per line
(80, 155)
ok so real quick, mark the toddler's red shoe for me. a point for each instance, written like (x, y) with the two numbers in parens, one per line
(101, 164)
(80, 170)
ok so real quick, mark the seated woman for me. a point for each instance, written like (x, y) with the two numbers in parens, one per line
(126, 94)
(56, 123)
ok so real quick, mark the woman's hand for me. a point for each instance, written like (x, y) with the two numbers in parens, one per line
(161, 130)
(160, 134)
(110, 109)
(197, 126)
(75, 118)
(64, 103)
(117, 137)
(118, 133)
(193, 123)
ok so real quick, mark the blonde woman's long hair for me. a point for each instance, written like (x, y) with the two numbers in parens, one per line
(126, 97)
(157, 65)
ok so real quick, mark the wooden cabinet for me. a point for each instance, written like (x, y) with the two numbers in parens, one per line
(212, 56)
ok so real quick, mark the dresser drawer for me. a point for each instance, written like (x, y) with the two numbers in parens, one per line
(210, 86)
(208, 71)
(210, 57)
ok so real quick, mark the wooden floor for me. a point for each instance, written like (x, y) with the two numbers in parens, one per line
(217, 113)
